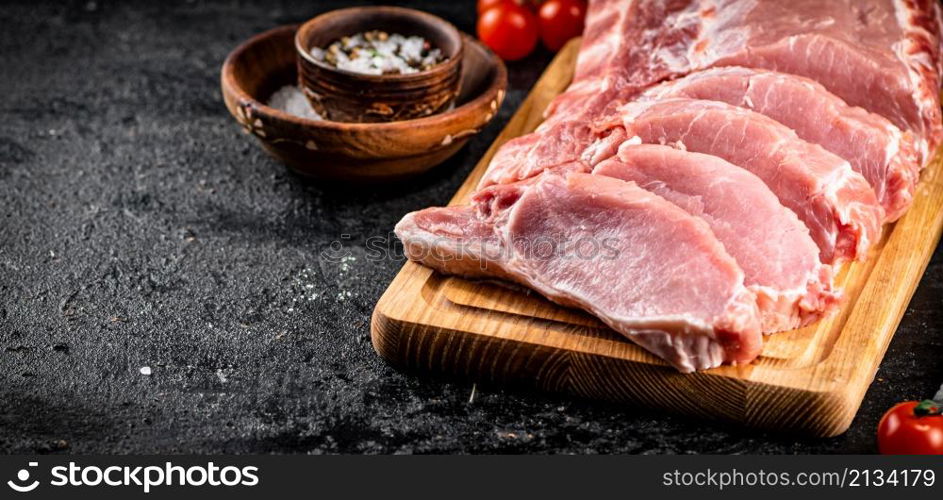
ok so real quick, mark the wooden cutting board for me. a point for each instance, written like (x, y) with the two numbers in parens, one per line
(810, 380)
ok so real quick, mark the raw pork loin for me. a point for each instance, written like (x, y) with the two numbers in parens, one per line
(620, 252)
(882, 55)
(768, 241)
(835, 202)
(734, 150)
(876, 148)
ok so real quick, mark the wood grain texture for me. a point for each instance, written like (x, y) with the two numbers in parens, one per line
(810, 380)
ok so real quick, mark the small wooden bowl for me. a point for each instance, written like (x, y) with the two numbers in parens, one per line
(346, 96)
(354, 151)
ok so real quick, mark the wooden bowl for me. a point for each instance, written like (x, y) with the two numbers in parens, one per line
(354, 151)
(346, 96)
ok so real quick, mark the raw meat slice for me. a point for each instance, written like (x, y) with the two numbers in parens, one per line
(530, 154)
(873, 146)
(773, 247)
(882, 55)
(644, 266)
(617, 36)
(558, 144)
(835, 202)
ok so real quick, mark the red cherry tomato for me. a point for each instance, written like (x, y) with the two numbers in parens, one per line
(484, 5)
(509, 29)
(561, 20)
(902, 432)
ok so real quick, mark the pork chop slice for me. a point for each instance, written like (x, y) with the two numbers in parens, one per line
(874, 146)
(560, 142)
(645, 267)
(773, 247)
(619, 35)
(882, 55)
(835, 202)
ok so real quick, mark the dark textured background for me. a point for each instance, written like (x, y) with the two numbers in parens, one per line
(140, 227)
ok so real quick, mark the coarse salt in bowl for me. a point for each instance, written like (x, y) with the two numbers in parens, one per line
(367, 90)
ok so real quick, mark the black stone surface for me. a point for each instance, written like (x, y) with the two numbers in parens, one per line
(140, 227)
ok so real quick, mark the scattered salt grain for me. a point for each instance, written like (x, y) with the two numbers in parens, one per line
(291, 100)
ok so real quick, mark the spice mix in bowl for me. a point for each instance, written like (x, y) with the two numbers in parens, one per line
(378, 64)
